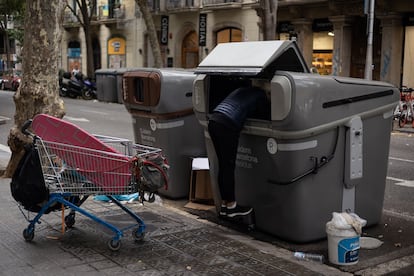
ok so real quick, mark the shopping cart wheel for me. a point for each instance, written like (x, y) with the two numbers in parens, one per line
(114, 245)
(28, 234)
(138, 235)
(70, 220)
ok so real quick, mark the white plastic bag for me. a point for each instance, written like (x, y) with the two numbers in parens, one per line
(346, 221)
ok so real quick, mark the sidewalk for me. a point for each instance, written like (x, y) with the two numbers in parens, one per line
(178, 241)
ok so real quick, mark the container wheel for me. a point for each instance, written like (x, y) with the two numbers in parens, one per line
(138, 236)
(28, 234)
(114, 245)
(70, 220)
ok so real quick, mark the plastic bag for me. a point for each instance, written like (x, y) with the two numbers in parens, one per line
(346, 221)
(154, 173)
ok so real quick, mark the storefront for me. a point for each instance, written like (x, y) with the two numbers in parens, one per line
(116, 52)
(74, 56)
(322, 43)
(322, 46)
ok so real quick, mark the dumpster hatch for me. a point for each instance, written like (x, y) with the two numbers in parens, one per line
(253, 58)
(142, 88)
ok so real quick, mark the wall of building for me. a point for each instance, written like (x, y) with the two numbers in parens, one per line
(408, 65)
(342, 54)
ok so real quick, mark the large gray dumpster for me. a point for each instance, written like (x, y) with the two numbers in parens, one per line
(160, 104)
(324, 149)
(106, 86)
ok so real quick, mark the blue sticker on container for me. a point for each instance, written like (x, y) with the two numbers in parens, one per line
(348, 250)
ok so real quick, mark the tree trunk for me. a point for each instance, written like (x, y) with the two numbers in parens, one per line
(269, 19)
(152, 32)
(39, 89)
(90, 66)
(86, 24)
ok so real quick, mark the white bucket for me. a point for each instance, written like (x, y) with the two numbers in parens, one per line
(343, 245)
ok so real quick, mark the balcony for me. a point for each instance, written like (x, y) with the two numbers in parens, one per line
(114, 13)
(182, 5)
(222, 4)
(70, 19)
(154, 5)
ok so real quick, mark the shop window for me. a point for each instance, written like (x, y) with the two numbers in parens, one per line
(74, 55)
(323, 52)
(229, 35)
(322, 61)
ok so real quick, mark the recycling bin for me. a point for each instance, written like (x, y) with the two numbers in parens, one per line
(119, 86)
(160, 103)
(106, 85)
(323, 149)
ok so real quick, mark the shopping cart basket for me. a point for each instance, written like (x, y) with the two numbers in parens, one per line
(72, 173)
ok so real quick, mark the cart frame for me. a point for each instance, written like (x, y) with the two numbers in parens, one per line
(73, 173)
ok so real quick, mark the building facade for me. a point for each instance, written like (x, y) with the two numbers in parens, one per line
(332, 34)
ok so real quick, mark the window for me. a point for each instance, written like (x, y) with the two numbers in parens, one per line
(229, 35)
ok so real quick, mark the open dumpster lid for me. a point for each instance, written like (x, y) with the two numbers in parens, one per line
(252, 58)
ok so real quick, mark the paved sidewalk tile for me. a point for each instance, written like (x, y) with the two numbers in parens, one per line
(174, 244)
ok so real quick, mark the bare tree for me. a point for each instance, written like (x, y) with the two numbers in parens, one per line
(268, 14)
(38, 91)
(151, 31)
(86, 9)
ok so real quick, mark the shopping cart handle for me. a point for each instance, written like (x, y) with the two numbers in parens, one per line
(25, 126)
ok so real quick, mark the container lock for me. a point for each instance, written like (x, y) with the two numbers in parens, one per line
(354, 154)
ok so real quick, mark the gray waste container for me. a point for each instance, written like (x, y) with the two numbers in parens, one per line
(324, 149)
(160, 103)
(106, 85)
(119, 86)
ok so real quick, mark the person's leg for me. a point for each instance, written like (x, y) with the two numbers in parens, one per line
(225, 141)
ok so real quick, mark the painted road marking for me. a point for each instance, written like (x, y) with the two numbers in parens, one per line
(74, 119)
(401, 159)
(95, 112)
(5, 148)
(402, 182)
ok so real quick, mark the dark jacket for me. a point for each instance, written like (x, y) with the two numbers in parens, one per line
(242, 103)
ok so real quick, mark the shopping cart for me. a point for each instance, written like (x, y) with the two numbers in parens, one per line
(72, 174)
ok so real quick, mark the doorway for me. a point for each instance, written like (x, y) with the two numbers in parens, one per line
(189, 57)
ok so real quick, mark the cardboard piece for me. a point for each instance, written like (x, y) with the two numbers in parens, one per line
(200, 185)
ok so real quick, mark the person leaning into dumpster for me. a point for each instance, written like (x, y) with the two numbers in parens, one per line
(225, 125)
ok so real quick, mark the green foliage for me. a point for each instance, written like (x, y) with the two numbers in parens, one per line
(11, 9)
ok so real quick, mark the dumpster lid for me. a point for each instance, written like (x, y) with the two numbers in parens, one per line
(252, 58)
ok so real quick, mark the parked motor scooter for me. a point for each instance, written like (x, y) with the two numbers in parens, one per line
(76, 86)
(69, 87)
(89, 89)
